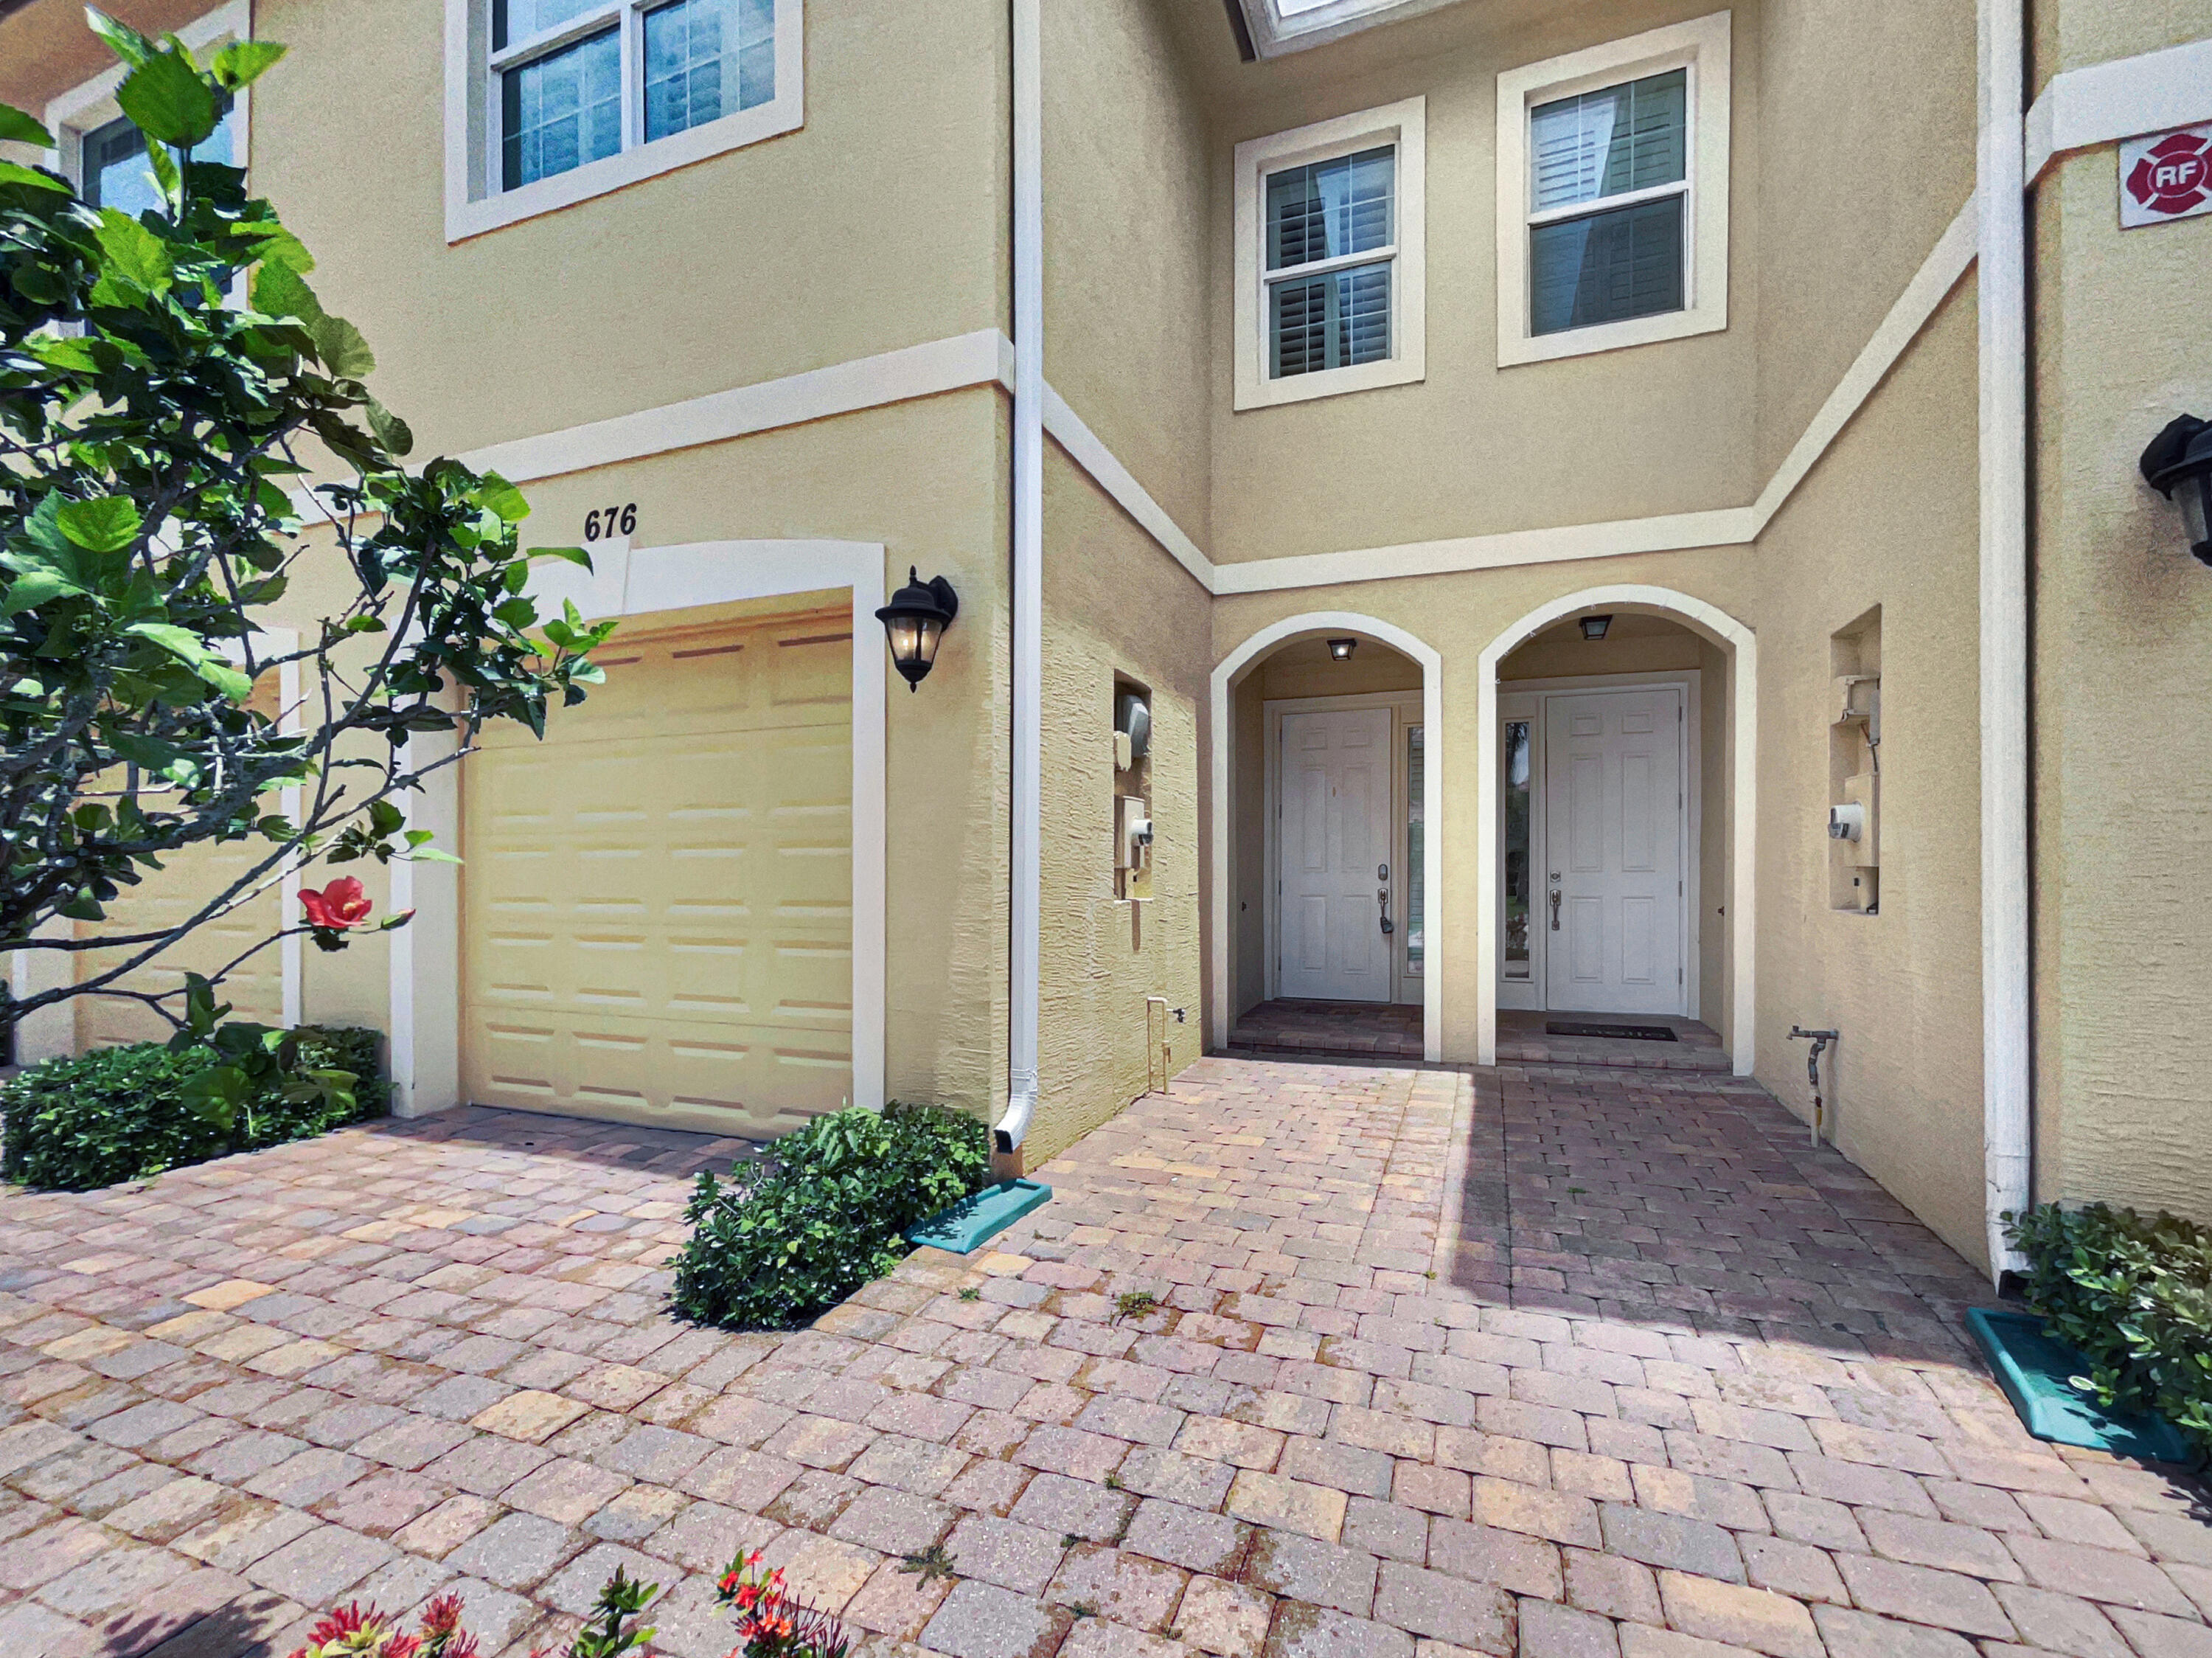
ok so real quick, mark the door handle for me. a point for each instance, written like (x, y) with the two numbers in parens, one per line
(1382, 900)
(1555, 908)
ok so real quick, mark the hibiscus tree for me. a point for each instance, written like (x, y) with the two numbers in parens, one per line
(171, 392)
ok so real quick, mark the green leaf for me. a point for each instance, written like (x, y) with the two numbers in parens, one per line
(497, 496)
(190, 649)
(166, 100)
(567, 555)
(108, 524)
(517, 611)
(133, 252)
(74, 357)
(342, 350)
(164, 163)
(390, 430)
(33, 588)
(16, 127)
(122, 41)
(11, 173)
(244, 62)
(278, 291)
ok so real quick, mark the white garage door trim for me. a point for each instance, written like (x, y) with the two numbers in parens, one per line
(425, 956)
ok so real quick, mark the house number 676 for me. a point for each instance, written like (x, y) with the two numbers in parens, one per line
(613, 521)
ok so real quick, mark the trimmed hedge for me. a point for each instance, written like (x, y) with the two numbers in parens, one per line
(125, 1114)
(821, 1214)
(2134, 1295)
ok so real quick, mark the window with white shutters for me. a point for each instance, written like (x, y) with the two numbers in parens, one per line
(1328, 225)
(1612, 194)
(1609, 183)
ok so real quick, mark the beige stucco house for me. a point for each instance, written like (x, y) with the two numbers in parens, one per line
(1624, 511)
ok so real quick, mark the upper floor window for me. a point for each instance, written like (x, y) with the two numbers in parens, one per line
(558, 100)
(1613, 195)
(1329, 252)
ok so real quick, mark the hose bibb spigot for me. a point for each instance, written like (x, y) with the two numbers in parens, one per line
(1819, 1040)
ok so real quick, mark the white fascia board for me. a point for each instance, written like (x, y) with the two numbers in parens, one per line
(1083, 447)
(1941, 272)
(899, 377)
(2104, 103)
(1728, 526)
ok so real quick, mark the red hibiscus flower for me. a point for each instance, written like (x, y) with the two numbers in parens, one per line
(339, 905)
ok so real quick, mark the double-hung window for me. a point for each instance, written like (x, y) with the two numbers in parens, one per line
(1329, 250)
(1613, 195)
(568, 98)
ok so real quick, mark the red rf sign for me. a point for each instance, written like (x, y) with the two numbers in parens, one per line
(2165, 176)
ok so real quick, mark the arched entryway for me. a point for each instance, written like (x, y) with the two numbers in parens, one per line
(1410, 707)
(1738, 646)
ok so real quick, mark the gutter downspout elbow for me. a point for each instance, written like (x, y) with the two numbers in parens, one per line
(1027, 690)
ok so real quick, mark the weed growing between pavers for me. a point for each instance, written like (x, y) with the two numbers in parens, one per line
(822, 1212)
(129, 1112)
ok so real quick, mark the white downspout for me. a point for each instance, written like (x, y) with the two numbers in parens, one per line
(1028, 711)
(2004, 528)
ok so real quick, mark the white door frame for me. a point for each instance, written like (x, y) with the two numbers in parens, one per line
(1717, 627)
(1406, 706)
(1688, 681)
(426, 956)
(1321, 624)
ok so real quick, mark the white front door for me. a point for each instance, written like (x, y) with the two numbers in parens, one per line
(1333, 851)
(1612, 898)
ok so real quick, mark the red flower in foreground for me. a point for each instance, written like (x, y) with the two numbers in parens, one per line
(339, 905)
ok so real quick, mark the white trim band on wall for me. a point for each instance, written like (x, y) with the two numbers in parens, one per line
(425, 982)
(1742, 645)
(1231, 667)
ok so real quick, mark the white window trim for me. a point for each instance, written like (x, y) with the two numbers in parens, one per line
(1701, 47)
(91, 105)
(1403, 125)
(474, 205)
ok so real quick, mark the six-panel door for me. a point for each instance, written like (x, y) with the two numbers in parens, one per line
(1334, 841)
(1610, 895)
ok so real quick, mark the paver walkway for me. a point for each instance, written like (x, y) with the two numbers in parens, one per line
(1550, 1363)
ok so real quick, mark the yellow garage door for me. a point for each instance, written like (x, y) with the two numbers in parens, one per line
(658, 898)
(167, 898)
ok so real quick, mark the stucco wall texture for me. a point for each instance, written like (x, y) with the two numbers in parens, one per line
(1114, 605)
(2123, 674)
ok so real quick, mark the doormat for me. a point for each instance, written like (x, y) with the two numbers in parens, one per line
(968, 1223)
(1617, 1032)
(2034, 1370)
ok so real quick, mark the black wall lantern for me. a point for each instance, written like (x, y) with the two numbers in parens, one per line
(2180, 459)
(1341, 650)
(1594, 627)
(915, 620)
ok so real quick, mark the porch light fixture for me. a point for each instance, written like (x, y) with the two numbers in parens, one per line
(1341, 650)
(915, 620)
(1594, 627)
(2180, 458)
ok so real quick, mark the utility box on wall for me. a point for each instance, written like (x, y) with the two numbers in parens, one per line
(1133, 791)
(1855, 767)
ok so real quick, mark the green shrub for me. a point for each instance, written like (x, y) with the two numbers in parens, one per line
(2134, 1295)
(821, 1215)
(126, 1113)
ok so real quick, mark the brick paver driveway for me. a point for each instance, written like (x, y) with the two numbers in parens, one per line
(1521, 1362)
